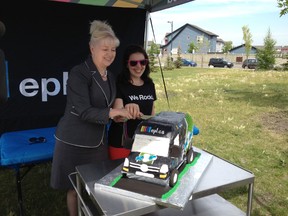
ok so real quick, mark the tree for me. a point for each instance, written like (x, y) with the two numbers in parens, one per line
(204, 46)
(247, 37)
(227, 46)
(283, 4)
(192, 48)
(169, 63)
(178, 62)
(266, 56)
(152, 53)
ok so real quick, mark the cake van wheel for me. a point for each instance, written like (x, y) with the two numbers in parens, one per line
(190, 156)
(173, 177)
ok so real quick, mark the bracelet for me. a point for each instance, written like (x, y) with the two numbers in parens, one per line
(109, 113)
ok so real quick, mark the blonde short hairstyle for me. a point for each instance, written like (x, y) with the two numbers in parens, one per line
(100, 30)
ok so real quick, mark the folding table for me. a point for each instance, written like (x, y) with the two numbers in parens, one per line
(26, 148)
(219, 176)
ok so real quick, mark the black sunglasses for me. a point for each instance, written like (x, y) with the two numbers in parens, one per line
(34, 140)
(143, 62)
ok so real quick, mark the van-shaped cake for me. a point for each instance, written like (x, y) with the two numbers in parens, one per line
(162, 146)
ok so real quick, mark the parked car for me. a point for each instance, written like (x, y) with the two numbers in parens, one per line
(250, 63)
(220, 62)
(190, 63)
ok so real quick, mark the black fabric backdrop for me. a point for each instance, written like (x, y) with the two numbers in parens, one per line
(3, 85)
(43, 39)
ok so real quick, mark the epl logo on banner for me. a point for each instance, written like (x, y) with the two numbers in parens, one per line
(30, 87)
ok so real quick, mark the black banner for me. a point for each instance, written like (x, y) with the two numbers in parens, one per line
(42, 42)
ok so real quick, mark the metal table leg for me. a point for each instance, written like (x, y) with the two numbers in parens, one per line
(250, 198)
(79, 188)
(82, 208)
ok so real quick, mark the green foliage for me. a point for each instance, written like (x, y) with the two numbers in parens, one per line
(266, 56)
(153, 52)
(169, 63)
(282, 67)
(283, 5)
(285, 66)
(204, 46)
(178, 62)
(227, 46)
(154, 49)
(192, 48)
(247, 37)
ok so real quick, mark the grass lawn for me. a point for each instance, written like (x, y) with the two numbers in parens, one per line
(242, 116)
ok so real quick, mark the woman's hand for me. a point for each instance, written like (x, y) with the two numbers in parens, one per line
(119, 119)
(120, 114)
(134, 110)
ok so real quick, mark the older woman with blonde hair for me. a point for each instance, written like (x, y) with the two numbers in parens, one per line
(81, 132)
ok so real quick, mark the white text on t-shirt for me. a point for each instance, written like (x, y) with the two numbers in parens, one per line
(141, 97)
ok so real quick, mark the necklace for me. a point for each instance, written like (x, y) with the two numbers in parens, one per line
(104, 75)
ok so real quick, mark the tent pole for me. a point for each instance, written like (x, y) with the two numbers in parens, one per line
(145, 45)
(160, 65)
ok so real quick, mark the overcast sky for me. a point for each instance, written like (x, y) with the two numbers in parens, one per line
(226, 19)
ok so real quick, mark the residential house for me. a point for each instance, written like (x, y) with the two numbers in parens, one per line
(241, 50)
(219, 45)
(284, 50)
(280, 51)
(182, 37)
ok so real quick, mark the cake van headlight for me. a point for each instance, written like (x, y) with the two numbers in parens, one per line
(164, 169)
(126, 165)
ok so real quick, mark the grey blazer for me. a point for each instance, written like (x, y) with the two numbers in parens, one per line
(87, 107)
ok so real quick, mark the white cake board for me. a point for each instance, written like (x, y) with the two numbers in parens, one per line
(179, 197)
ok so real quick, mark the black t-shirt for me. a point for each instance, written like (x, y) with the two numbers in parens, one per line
(144, 96)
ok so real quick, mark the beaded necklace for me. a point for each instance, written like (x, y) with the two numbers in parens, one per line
(103, 75)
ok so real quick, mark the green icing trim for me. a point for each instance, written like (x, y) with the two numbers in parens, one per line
(185, 170)
(173, 189)
(115, 180)
(189, 120)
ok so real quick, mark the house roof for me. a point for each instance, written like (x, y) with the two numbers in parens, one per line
(195, 27)
(242, 45)
(220, 40)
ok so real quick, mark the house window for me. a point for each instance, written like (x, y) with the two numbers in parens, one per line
(200, 39)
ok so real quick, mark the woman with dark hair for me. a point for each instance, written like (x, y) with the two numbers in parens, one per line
(136, 93)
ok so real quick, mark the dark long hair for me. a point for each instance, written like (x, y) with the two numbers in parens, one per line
(124, 76)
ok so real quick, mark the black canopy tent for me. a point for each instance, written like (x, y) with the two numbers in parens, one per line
(44, 39)
(41, 44)
(148, 5)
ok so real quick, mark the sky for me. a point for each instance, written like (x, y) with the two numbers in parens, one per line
(226, 19)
